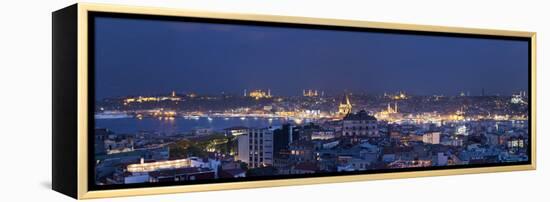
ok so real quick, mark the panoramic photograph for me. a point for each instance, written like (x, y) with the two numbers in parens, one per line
(190, 101)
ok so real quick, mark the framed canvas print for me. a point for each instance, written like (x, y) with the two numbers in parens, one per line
(155, 100)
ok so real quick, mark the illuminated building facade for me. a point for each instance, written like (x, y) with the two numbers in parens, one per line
(256, 147)
(311, 93)
(397, 96)
(519, 98)
(390, 114)
(345, 106)
(259, 94)
(431, 138)
(358, 125)
(391, 110)
(159, 165)
(141, 99)
(188, 169)
(236, 131)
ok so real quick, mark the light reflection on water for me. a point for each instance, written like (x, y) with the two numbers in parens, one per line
(180, 125)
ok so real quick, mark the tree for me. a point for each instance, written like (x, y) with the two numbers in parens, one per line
(186, 148)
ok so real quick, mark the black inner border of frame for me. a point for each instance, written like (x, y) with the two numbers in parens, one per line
(92, 186)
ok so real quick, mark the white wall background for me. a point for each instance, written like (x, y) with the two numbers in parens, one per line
(25, 99)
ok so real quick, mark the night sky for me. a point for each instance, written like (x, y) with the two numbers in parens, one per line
(145, 57)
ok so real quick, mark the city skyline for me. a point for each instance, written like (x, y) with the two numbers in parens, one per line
(215, 58)
(322, 93)
(302, 102)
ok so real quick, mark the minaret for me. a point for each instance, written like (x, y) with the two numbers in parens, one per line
(395, 107)
(268, 92)
(245, 92)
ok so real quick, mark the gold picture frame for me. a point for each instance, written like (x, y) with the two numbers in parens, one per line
(78, 187)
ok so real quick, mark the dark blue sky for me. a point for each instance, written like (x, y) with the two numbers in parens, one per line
(136, 56)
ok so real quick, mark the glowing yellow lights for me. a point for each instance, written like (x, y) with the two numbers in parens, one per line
(286, 113)
(397, 96)
(170, 113)
(501, 117)
(258, 94)
(149, 167)
(160, 114)
(141, 99)
(345, 107)
(311, 93)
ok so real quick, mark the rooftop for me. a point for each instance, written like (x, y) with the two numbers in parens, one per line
(361, 115)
